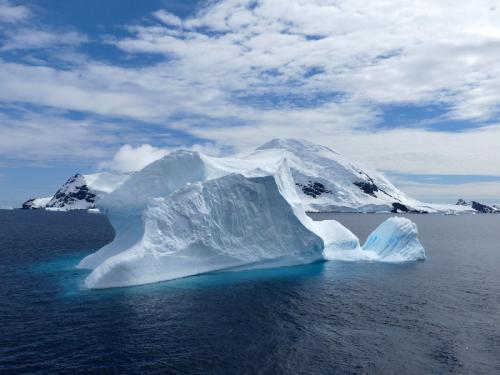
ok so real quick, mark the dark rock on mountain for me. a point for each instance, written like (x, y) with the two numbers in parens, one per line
(74, 193)
(314, 189)
(367, 187)
(479, 207)
(398, 207)
(29, 204)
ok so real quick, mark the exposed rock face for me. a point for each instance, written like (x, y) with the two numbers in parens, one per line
(368, 187)
(28, 205)
(479, 207)
(35, 203)
(398, 207)
(74, 194)
(314, 189)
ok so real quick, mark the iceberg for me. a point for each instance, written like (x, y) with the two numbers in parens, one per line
(228, 222)
(395, 240)
(188, 213)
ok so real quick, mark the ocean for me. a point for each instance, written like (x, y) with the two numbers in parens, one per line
(441, 316)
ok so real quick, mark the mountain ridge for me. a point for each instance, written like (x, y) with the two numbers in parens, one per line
(325, 180)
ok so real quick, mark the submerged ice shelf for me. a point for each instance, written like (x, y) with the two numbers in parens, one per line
(187, 214)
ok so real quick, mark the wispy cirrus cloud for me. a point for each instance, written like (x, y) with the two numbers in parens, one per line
(29, 38)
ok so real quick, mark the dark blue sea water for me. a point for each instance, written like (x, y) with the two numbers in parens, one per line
(441, 316)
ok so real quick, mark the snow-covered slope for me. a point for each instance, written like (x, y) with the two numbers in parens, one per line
(36, 203)
(326, 181)
(187, 214)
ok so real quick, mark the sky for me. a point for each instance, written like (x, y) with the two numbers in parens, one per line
(411, 89)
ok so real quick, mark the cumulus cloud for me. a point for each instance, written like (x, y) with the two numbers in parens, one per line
(382, 52)
(482, 191)
(132, 159)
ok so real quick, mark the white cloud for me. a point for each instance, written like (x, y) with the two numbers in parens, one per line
(29, 38)
(481, 191)
(49, 136)
(382, 52)
(168, 18)
(372, 53)
(11, 13)
(131, 159)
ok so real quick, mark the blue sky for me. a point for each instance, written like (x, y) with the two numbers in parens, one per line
(410, 89)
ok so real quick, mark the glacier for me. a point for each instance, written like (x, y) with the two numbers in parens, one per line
(189, 213)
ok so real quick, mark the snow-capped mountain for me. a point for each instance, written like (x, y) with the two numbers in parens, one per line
(479, 207)
(73, 195)
(79, 192)
(325, 180)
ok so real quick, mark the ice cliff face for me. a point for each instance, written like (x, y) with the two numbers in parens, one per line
(187, 214)
(223, 223)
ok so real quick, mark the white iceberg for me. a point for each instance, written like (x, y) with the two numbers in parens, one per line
(223, 223)
(395, 240)
(188, 213)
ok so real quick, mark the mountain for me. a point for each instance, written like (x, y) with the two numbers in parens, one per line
(73, 195)
(36, 203)
(79, 192)
(479, 207)
(325, 180)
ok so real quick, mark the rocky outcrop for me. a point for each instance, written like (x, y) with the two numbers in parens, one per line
(479, 207)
